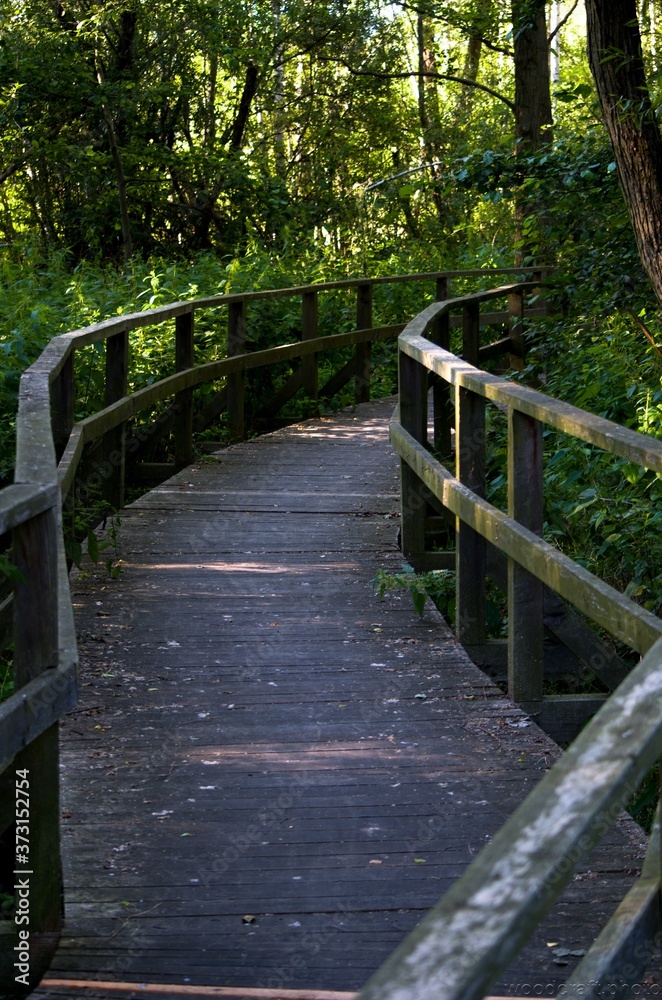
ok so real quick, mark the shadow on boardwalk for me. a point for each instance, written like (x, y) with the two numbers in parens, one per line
(271, 775)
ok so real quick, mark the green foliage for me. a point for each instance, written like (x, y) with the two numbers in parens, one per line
(438, 585)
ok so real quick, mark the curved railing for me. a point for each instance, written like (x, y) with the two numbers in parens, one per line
(463, 945)
(50, 446)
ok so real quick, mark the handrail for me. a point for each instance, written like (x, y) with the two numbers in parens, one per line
(472, 934)
(45, 656)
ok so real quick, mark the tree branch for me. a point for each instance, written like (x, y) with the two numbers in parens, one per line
(562, 22)
(385, 75)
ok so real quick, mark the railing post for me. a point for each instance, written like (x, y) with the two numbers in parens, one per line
(442, 399)
(470, 470)
(36, 650)
(309, 328)
(236, 382)
(516, 311)
(413, 381)
(62, 405)
(525, 592)
(114, 449)
(184, 399)
(363, 351)
(471, 332)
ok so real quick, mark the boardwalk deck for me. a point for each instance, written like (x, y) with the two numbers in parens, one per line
(271, 775)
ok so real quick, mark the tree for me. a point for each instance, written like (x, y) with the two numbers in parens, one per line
(617, 64)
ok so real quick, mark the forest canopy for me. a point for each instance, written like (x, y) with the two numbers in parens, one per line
(173, 127)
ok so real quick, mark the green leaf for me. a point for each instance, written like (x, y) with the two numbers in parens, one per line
(93, 546)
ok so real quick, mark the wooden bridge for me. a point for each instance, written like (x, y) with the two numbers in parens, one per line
(273, 784)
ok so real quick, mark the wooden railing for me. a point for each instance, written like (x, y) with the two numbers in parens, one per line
(463, 945)
(50, 447)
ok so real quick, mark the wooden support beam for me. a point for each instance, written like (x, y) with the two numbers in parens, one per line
(232, 992)
(516, 312)
(525, 592)
(413, 415)
(114, 451)
(340, 379)
(208, 414)
(184, 358)
(442, 395)
(309, 325)
(62, 405)
(285, 393)
(36, 641)
(470, 545)
(363, 351)
(236, 380)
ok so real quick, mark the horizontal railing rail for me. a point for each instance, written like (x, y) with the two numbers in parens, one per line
(469, 939)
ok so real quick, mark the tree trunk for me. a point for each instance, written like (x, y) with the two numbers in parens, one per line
(615, 57)
(122, 197)
(428, 110)
(533, 108)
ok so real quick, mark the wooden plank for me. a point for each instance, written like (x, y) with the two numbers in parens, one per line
(20, 502)
(472, 934)
(164, 990)
(564, 716)
(627, 946)
(37, 705)
(181, 991)
(603, 604)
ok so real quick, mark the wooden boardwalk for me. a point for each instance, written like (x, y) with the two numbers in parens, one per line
(271, 774)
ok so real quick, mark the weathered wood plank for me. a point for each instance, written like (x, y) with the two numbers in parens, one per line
(20, 502)
(326, 749)
(472, 934)
(628, 944)
(30, 711)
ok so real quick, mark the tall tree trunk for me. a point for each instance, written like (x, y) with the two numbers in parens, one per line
(127, 243)
(615, 57)
(279, 95)
(533, 106)
(428, 110)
